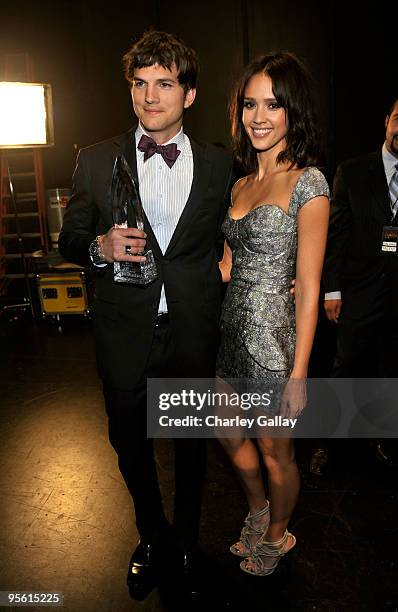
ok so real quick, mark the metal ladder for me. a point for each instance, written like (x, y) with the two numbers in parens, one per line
(23, 219)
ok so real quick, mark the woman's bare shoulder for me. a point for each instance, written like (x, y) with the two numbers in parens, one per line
(238, 187)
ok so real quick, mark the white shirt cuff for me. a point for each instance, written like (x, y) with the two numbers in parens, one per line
(333, 295)
(99, 265)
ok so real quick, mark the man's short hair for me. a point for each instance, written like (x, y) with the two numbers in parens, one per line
(165, 49)
(391, 107)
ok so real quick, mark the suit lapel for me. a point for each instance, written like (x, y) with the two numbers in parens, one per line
(378, 184)
(201, 175)
(126, 145)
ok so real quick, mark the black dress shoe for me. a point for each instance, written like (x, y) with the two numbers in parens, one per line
(143, 572)
(191, 564)
(203, 582)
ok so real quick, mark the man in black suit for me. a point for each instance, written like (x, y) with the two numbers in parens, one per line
(361, 270)
(169, 327)
(361, 280)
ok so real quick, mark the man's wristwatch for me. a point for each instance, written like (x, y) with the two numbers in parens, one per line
(96, 254)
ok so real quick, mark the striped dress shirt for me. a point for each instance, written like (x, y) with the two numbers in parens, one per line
(164, 191)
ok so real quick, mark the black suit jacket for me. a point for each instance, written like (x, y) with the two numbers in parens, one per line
(354, 263)
(125, 315)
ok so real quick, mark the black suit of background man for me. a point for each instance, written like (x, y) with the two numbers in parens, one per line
(367, 278)
(355, 265)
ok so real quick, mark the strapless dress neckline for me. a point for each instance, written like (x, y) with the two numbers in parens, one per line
(257, 208)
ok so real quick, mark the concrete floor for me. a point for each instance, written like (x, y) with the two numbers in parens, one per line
(67, 522)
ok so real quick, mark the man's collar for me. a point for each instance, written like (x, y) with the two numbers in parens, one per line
(389, 159)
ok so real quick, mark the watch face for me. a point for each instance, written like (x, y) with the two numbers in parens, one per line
(95, 253)
(94, 250)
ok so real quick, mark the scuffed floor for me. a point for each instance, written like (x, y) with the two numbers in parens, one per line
(67, 522)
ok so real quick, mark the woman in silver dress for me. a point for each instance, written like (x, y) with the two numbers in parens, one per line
(275, 232)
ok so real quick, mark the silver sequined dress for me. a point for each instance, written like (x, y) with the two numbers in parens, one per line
(258, 315)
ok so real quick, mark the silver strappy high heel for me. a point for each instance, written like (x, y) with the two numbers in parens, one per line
(243, 548)
(256, 563)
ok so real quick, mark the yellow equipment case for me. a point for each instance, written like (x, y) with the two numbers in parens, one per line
(63, 293)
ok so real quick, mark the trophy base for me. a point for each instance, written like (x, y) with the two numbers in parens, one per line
(136, 273)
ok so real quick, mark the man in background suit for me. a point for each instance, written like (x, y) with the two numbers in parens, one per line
(170, 327)
(360, 279)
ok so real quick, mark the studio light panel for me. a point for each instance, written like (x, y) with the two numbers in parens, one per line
(25, 115)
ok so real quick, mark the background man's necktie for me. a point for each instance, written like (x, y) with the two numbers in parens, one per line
(393, 188)
(150, 147)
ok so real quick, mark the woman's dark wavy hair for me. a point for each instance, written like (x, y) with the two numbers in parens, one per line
(165, 49)
(292, 87)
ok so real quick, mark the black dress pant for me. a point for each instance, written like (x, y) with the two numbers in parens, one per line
(127, 414)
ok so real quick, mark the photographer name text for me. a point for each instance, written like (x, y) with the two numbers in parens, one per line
(216, 421)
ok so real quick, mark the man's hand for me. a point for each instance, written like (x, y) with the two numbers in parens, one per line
(115, 241)
(332, 309)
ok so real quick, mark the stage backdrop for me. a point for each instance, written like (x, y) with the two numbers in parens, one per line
(77, 47)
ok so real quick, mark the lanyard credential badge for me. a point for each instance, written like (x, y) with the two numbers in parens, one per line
(389, 239)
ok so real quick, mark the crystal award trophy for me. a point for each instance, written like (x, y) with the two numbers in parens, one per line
(128, 212)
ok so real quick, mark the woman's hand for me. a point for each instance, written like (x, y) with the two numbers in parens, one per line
(225, 264)
(294, 398)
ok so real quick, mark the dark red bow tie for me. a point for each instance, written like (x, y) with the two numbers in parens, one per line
(150, 147)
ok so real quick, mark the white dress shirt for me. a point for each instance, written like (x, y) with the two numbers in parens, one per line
(389, 162)
(164, 191)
